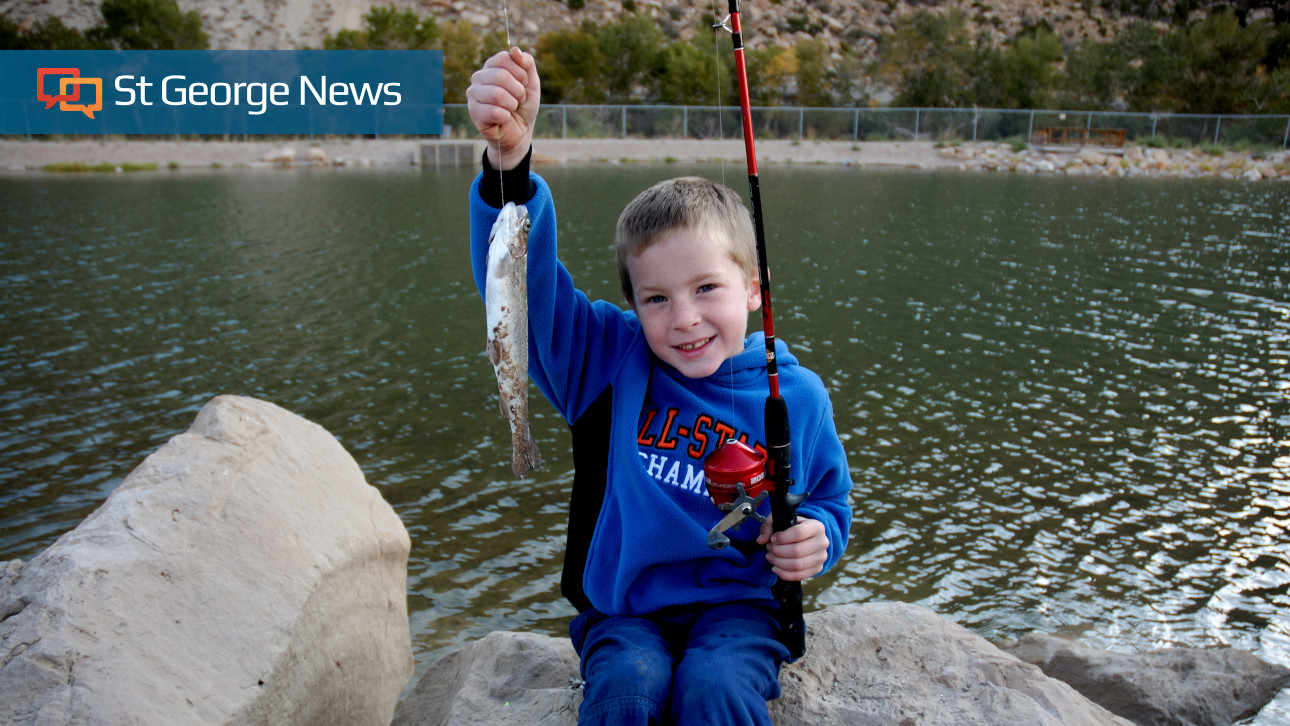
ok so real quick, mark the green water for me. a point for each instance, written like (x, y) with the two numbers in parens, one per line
(1065, 401)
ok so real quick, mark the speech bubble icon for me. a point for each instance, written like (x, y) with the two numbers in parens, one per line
(51, 100)
(87, 108)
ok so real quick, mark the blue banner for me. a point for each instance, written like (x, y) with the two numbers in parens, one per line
(221, 92)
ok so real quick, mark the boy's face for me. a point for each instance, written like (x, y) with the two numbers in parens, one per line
(693, 302)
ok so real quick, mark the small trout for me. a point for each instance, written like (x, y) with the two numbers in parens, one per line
(506, 297)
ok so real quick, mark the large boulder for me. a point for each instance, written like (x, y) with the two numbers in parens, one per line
(503, 678)
(245, 573)
(892, 663)
(885, 663)
(1161, 687)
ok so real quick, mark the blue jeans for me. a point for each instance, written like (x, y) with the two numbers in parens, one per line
(708, 665)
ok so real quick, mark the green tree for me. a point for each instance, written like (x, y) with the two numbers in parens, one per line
(462, 56)
(1218, 62)
(148, 25)
(617, 63)
(127, 25)
(1097, 75)
(688, 76)
(772, 76)
(1270, 90)
(1131, 70)
(573, 66)
(633, 48)
(47, 34)
(928, 59)
(11, 36)
(1273, 93)
(814, 74)
(387, 28)
(495, 41)
(1022, 75)
(1151, 65)
(851, 81)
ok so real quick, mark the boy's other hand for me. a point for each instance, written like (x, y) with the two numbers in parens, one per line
(503, 100)
(798, 552)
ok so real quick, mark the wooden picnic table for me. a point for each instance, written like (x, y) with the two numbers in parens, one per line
(1077, 136)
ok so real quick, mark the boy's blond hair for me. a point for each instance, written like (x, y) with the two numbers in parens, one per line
(688, 203)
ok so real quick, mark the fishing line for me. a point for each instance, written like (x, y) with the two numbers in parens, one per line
(506, 16)
(721, 136)
(721, 108)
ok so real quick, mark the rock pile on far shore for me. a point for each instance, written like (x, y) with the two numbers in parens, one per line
(1133, 161)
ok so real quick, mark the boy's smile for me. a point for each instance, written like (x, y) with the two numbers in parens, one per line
(693, 302)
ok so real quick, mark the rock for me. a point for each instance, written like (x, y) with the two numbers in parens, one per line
(243, 574)
(503, 678)
(1252, 175)
(1134, 154)
(315, 155)
(886, 663)
(1092, 158)
(1160, 156)
(892, 663)
(280, 155)
(1171, 686)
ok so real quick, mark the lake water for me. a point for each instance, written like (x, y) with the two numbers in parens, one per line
(1066, 402)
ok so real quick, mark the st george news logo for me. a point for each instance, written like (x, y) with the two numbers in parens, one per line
(71, 78)
(221, 92)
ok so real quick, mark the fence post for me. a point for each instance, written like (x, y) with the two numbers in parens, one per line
(975, 113)
(1154, 118)
(624, 121)
(916, 120)
(855, 133)
(1286, 139)
(564, 121)
(801, 113)
(1218, 124)
(685, 122)
(1030, 132)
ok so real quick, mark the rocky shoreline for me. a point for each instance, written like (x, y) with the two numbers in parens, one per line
(22, 158)
(246, 573)
(1130, 162)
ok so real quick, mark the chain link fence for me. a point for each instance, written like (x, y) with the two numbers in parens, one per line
(945, 125)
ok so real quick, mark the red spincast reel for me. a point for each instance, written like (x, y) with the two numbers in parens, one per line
(736, 479)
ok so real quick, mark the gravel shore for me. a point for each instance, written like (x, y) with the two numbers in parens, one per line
(27, 157)
(34, 155)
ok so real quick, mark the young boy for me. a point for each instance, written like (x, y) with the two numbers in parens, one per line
(668, 629)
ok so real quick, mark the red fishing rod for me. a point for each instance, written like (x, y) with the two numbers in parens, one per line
(783, 505)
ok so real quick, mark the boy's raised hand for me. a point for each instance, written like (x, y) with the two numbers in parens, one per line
(503, 100)
(798, 552)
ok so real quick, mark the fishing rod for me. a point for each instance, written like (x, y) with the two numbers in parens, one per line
(783, 505)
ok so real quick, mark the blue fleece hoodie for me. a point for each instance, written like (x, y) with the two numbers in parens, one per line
(648, 549)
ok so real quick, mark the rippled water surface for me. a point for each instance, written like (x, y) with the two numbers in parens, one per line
(1065, 402)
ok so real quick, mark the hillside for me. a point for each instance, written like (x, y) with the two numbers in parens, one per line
(289, 24)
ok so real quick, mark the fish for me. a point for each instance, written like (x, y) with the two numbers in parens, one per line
(506, 298)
